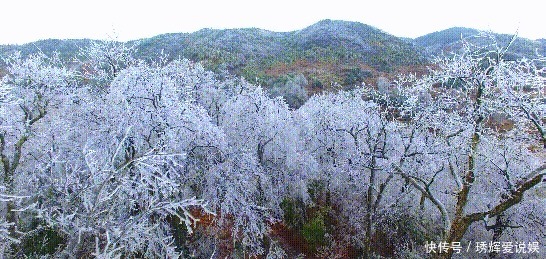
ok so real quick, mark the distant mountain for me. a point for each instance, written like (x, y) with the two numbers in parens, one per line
(67, 49)
(327, 53)
(356, 39)
(231, 49)
(437, 42)
(328, 46)
(450, 40)
(365, 42)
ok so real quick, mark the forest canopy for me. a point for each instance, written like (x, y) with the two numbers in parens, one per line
(118, 157)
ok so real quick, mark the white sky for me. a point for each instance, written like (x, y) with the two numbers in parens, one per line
(23, 21)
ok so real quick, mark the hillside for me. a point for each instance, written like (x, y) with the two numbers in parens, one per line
(438, 41)
(67, 49)
(117, 159)
(326, 53)
(131, 152)
(450, 39)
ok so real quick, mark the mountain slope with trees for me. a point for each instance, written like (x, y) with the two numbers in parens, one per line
(126, 158)
(330, 54)
(357, 51)
(449, 40)
(116, 155)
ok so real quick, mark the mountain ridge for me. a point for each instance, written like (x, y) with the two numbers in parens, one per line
(444, 37)
(327, 53)
(451, 39)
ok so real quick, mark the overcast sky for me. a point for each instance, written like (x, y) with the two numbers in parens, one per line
(23, 21)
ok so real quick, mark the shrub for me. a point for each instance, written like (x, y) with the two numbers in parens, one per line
(293, 213)
(313, 231)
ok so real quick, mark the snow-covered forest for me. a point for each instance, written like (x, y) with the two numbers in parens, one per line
(116, 157)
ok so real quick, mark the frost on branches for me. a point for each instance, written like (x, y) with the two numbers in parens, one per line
(489, 114)
(119, 157)
(109, 172)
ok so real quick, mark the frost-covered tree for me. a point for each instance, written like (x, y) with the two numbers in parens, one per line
(261, 164)
(103, 60)
(142, 130)
(121, 157)
(30, 87)
(464, 138)
(488, 113)
(105, 171)
(292, 89)
(355, 143)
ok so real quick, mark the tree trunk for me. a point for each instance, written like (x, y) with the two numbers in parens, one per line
(460, 223)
